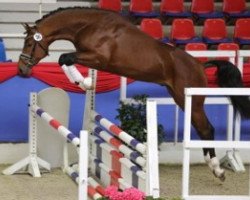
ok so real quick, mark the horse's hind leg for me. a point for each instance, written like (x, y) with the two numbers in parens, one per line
(204, 129)
(206, 132)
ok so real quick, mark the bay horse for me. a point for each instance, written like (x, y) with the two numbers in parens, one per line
(106, 41)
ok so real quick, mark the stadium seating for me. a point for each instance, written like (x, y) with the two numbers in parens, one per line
(115, 5)
(228, 46)
(204, 9)
(183, 32)
(173, 9)
(215, 32)
(139, 8)
(197, 47)
(235, 9)
(242, 31)
(153, 27)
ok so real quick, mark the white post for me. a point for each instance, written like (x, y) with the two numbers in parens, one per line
(89, 101)
(152, 187)
(230, 122)
(186, 153)
(237, 127)
(40, 9)
(83, 166)
(123, 88)
(176, 127)
(33, 168)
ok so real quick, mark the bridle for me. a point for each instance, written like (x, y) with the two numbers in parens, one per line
(28, 59)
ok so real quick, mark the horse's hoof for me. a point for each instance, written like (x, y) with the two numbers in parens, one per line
(222, 176)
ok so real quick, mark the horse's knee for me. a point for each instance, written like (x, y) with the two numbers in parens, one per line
(66, 59)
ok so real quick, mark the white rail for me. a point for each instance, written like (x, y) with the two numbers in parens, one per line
(189, 144)
(12, 35)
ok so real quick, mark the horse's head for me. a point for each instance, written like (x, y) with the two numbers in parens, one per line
(35, 48)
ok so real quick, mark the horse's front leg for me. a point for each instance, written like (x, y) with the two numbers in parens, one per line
(67, 59)
(67, 62)
(89, 59)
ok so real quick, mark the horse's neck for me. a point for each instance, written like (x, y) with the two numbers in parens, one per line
(57, 29)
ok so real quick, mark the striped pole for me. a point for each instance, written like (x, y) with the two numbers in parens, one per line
(115, 179)
(115, 130)
(66, 133)
(102, 147)
(133, 155)
(95, 190)
(134, 169)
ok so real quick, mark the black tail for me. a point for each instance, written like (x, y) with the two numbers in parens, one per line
(229, 76)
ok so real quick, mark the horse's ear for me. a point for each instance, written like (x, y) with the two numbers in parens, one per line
(26, 27)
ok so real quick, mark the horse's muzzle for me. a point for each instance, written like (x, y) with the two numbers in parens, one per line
(24, 71)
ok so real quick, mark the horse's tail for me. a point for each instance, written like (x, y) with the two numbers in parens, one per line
(228, 75)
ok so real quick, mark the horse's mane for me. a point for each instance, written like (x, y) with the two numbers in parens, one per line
(63, 9)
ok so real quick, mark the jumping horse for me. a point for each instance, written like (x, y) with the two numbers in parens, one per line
(106, 41)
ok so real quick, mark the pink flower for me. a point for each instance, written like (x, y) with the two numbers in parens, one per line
(133, 194)
(117, 196)
(109, 191)
(129, 194)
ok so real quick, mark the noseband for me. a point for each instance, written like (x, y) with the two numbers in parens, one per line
(28, 59)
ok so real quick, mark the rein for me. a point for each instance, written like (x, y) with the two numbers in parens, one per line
(29, 60)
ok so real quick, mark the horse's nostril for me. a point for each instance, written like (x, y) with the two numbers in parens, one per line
(21, 72)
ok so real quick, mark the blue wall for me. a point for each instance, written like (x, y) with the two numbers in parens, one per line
(15, 98)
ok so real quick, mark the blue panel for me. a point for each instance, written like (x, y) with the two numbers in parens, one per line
(14, 107)
(2, 52)
(15, 98)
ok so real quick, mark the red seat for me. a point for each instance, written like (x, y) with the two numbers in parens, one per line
(173, 8)
(197, 47)
(114, 5)
(183, 32)
(139, 8)
(242, 31)
(204, 9)
(228, 46)
(235, 8)
(215, 32)
(154, 28)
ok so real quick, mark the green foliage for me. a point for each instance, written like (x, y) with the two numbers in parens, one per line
(133, 119)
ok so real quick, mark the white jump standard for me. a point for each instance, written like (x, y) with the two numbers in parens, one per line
(117, 158)
(111, 160)
(189, 144)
